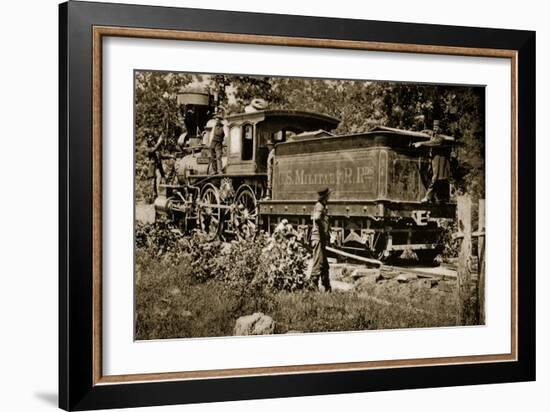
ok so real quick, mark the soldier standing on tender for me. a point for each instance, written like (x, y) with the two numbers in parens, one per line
(438, 189)
(320, 238)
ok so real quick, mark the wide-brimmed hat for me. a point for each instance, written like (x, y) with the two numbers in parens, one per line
(323, 193)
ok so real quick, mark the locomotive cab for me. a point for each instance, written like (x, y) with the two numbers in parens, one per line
(249, 133)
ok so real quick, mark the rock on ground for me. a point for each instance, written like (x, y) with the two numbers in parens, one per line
(372, 274)
(406, 277)
(371, 279)
(341, 286)
(337, 271)
(427, 283)
(255, 324)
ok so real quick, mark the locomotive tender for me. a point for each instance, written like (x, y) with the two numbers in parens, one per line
(377, 181)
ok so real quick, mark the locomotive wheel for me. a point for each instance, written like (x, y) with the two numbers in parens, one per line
(245, 214)
(210, 217)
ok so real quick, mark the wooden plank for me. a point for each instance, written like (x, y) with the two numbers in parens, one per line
(420, 272)
(355, 257)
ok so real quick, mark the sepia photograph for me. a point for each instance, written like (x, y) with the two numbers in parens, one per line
(288, 205)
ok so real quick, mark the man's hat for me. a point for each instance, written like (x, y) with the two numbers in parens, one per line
(324, 192)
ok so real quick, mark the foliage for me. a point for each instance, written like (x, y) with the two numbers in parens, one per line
(161, 239)
(170, 305)
(156, 114)
(284, 260)
(385, 305)
(274, 263)
(450, 244)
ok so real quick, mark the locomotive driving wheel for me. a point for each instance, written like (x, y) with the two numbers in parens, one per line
(245, 213)
(210, 214)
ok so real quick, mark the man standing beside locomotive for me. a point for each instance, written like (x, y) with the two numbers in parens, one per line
(216, 146)
(320, 238)
(155, 171)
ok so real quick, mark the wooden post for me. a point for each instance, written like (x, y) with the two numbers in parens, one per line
(481, 264)
(464, 212)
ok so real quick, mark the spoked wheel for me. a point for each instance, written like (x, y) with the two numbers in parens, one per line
(245, 217)
(210, 215)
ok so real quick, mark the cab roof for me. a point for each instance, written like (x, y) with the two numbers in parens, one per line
(321, 121)
(420, 136)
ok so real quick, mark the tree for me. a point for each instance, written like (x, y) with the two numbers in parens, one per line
(156, 113)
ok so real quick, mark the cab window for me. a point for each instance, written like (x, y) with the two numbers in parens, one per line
(235, 140)
(247, 142)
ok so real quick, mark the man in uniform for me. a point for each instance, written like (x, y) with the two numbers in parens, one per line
(438, 188)
(270, 162)
(183, 139)
(216, 145)
(320, 238)
(155, 171)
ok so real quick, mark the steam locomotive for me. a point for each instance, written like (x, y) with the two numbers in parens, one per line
(377, 179)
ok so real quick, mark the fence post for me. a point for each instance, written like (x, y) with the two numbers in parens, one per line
(464, 212)
(481, 263)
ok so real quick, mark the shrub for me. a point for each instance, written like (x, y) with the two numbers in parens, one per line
(274, 263)
(284, 261)
(450, 246)
(161, 239)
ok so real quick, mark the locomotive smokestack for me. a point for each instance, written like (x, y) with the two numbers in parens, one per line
(196, 106)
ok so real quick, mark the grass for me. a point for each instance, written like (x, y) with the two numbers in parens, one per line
(171, 304)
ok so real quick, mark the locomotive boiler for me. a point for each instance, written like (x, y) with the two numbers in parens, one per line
(377, 179)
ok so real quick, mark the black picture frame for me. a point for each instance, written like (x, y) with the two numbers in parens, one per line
(77, 390)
